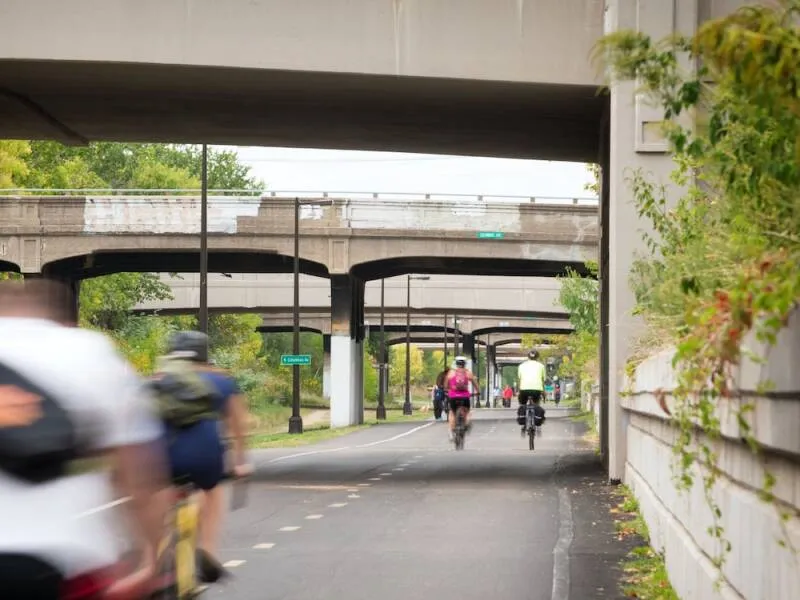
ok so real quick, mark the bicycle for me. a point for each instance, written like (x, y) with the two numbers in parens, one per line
(176, 556)
(460, 429)
(531, 428)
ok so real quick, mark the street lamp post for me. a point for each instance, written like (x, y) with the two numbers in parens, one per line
(296, 420)
(202, 317)
(380, 412)
(407, 409)
(445, 341)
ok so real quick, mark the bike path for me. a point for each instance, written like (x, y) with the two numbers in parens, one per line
(412, 517)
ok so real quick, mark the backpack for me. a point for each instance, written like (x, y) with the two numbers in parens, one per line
(183, 396)
(460, 381)
(38, 439)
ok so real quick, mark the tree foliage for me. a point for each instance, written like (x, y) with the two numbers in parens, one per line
(724, 258)
(129, 166)
(397, 365)
(13, 163)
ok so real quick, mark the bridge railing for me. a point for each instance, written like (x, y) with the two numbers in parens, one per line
(81, 211)
(289, 194)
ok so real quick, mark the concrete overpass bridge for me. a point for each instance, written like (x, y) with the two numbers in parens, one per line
(506, 78)
(520, 299)
(74, 237)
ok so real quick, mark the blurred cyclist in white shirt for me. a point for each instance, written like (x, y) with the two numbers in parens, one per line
(65, 534)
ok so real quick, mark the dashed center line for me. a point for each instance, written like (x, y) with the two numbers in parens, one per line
(374, 478)
(354, 496)
(289, 528)
(399, 469)
(337, 505)
(314, 517)
(265, 546)
(364, 484)
(234, 563)
(386, 474)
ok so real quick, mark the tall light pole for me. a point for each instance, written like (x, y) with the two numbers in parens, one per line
(407, 410)
(202, 317)
(445, 341)
(380, 412)
(296, 420)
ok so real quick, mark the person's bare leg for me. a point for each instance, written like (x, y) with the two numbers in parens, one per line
(211, 519)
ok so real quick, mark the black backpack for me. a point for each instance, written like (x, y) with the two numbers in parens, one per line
(38, 439)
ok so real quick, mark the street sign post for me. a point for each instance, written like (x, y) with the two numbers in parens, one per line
(491, 235)
(288, 360)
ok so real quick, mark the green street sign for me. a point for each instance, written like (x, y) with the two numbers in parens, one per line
(288, 360)
(491, 235)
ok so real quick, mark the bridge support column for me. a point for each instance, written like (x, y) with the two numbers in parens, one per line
(326, 366)
(634, 143)
(347, 351)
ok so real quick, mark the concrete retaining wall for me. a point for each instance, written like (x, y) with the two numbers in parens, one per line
(758, 567)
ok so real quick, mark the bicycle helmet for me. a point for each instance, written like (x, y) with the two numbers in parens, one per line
(461, 361)
(533, 355)
(189, 344)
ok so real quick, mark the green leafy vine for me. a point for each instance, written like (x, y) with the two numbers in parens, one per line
(722, 261)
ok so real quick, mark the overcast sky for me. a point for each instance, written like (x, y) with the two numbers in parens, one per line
(287, 169)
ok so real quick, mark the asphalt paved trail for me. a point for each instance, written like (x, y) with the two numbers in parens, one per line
(394, 512)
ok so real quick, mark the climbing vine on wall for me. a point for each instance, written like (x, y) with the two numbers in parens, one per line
(723, 260)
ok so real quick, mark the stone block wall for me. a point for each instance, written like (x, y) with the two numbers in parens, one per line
(758, 566)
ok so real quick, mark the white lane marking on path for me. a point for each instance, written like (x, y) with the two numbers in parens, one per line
(408, 464)
(234, 563)
(386, 474)
(561, 550)
(364, 485)
(353, 490)
(354, 496)
(289, 528)
(396, 437)
(337, 505)
(263, 546)
(369, 445)
(103, 507)
(417, 457)
(314, 517)
(399, 469)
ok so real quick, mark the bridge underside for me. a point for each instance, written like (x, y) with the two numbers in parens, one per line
(79, 101)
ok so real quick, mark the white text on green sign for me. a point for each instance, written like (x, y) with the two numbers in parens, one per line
(295, 359)
(490, 235)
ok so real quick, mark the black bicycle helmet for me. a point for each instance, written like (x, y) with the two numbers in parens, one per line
(533, 354)
(190, 344)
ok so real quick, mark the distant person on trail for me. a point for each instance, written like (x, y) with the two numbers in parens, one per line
(440, 392)
(458, 392)
(508, 393)
(531, 375)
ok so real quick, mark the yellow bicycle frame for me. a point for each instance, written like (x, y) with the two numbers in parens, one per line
(183, 534)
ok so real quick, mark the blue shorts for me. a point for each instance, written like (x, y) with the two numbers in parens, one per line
(196, 455)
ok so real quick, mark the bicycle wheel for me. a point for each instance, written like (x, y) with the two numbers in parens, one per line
(531, 435)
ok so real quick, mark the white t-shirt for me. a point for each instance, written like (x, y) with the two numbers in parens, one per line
(73, 521)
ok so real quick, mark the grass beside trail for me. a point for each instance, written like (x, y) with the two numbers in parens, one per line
(316, 434)
(645, 573)
(592, 434)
